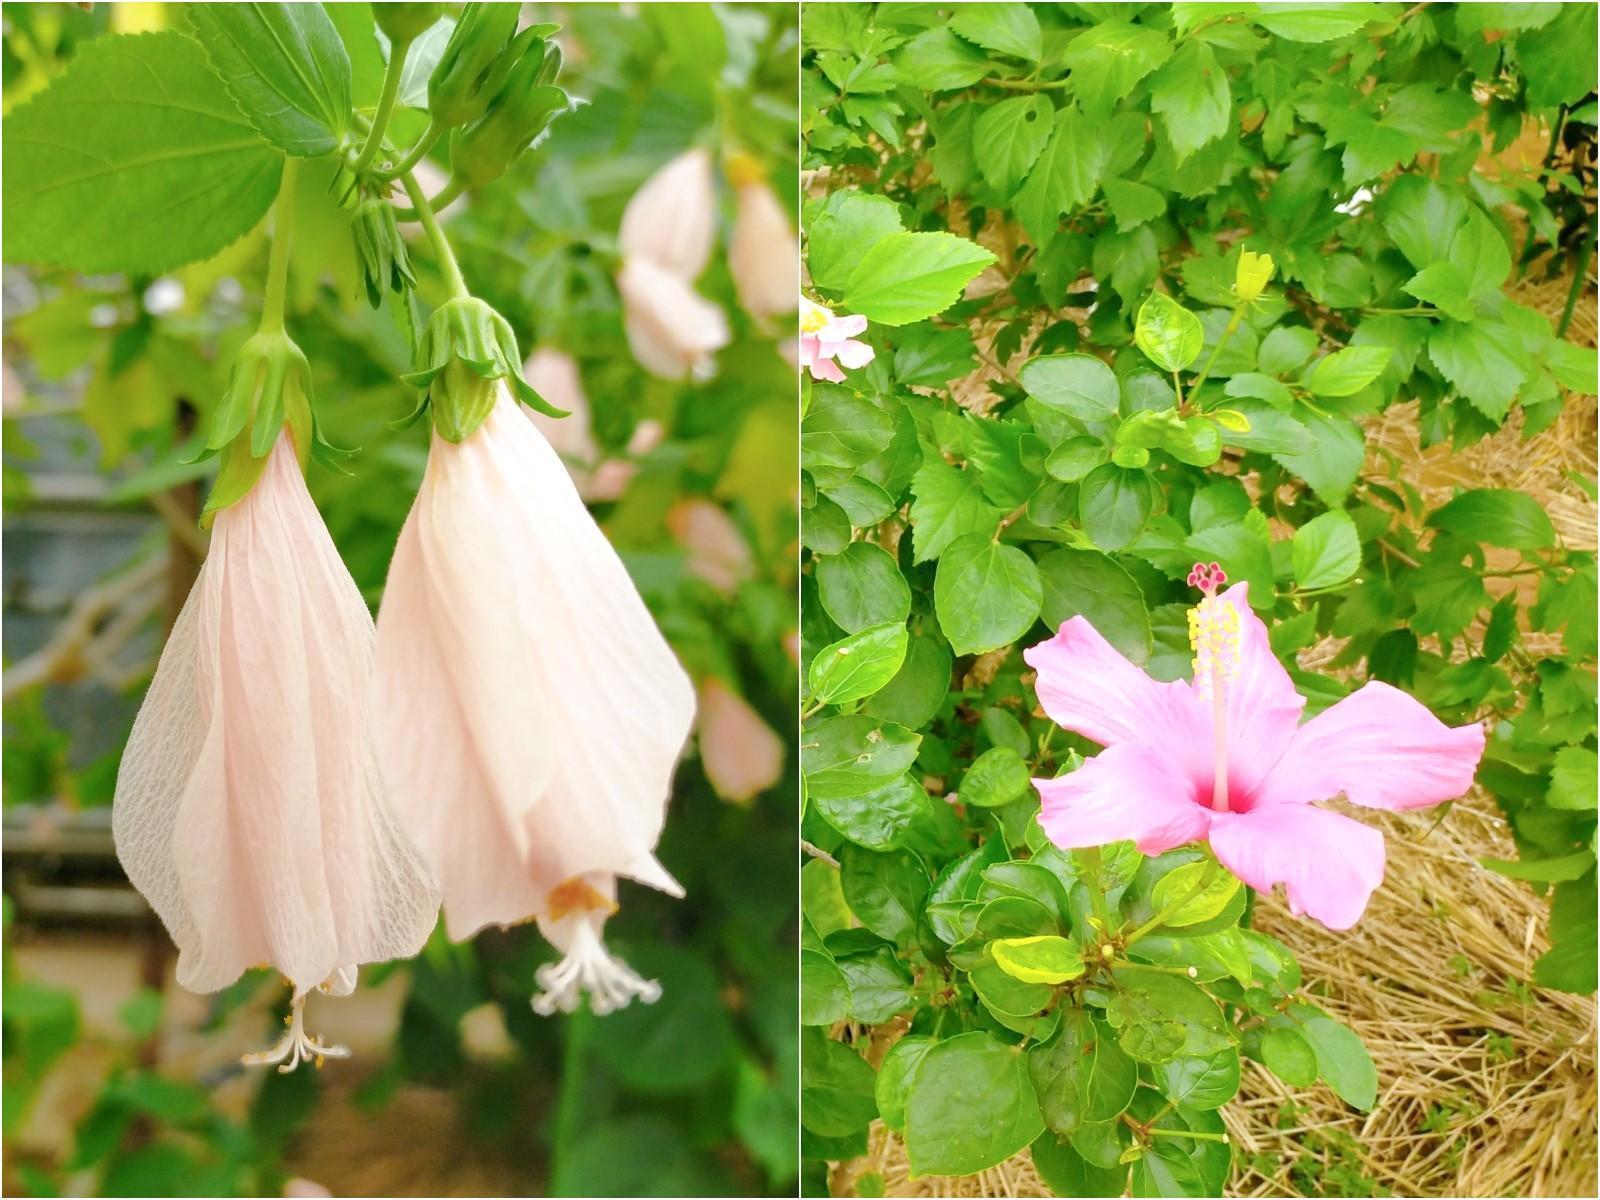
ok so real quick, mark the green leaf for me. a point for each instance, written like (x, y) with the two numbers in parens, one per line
(1096, 587)
(1315, 22)
(1159, 1017)
(1079, 385)
(849, 755)
(1556, 70)
(857, 666)
(996, 777)
(1114, 503)
(1044, 958)
(1497, 517)
(895, 1073)
(1482, 361)
(285, 67)
(1563, 869)
(917, 691)
(1342, 1061)
(841, 230)
(1067, 1173)
(1421, 216)
(908, 276)
(971, 1106)
(1081, 1075)
(1008, 138)
(880, 818)
(1075, 458)
(1108, 59)
(824, 991)
(677, 1043)
(986, 595)
(105, 173)
(1007, 28)
(1345, 372)
(1480, 254)
(1327, 550)
(842, 429)
(936, 60)
(885, 889)
(862, 587)
(1333, 458)
(1575, 780)
(948, 504)
(1192, 97)
(1169, 334)
(1245, 554)
(1443, 286)
(1132, 204)
(836, 1087)
(1289, 1056)
(1179, 885)
(1064, 177)
(1200, 1083)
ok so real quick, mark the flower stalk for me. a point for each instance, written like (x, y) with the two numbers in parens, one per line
(454, 283)
(386, 99)
(272, 303)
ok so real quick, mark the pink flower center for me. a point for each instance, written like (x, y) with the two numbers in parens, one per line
(1214, 638)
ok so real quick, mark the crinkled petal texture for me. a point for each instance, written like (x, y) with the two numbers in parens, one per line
(531, 711)
(672, 330)
(763, 254)
(671, 219)
(248, 807)
(1126, 792)
(1379, 747)
(1329, 865)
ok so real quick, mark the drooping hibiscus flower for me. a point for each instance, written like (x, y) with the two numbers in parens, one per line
(1225, 759)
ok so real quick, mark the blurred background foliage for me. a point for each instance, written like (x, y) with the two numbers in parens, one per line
(116, 1082)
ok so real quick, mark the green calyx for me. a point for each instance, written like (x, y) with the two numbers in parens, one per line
(527, 102)
(406, 22)
(474, 64)
(269, 390)
(381, 251)
(466, 353)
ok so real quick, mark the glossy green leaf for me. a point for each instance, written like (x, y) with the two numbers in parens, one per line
(971, 1105)
(1327, 550)
(857, 666)
(986, 594)
(1169, 334)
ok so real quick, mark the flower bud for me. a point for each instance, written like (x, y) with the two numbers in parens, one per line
(465, 350)
(381, 251)
(473, 65)
(763, 254)
(520, 112)
(1251, 277)
(269, 388)
(406, 22)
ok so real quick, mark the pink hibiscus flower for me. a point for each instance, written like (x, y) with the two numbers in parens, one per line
(1225, 759)
(828, 342)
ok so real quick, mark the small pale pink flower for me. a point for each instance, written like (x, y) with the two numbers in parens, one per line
(673, 331)
(531, 713)
(828, 343)
(741, 754)
(671, 220)
(716, 550)
(763, 252)
(1225, 759)
(249, 808)
(554, 375)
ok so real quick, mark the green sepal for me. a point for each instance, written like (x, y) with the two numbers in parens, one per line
(473, 65)
(411, 418)
(324, 452)
(268, 390)
(524, 390)
(381, 251)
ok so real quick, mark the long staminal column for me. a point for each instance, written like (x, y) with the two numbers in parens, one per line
(1214, 638)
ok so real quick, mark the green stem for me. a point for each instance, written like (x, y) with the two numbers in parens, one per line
(1580, 280)
(1160, 918)
(278, 257)
(386, 99)
(1028, 85)
(1097, 895)
(1197, 1134)
(445, 196)
(1233, 324)
(569, 1095)
(431, 135)
(441, 248)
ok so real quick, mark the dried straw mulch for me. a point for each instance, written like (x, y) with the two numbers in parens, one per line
(1487, 1087)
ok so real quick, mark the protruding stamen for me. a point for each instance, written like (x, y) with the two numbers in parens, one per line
(588, 967)
(296, 1045)
(1214, 638)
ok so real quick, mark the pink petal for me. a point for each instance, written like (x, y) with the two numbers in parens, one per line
(1128, 792)
(839, 328)
(854, 354)
(1382, 749)
(826, 369)
(1263, 709)
(741, 753)
(671, 219)
(1086, 686)
(672, 330)
(1329, 865)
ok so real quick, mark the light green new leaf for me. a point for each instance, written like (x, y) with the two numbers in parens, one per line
(1345, 372)
(985, 595)
(841, 230)
(855, 667)
(1044, 958)
(1169, 334)
(1315, 22)
(1008, 28)
(286, 68)
(105, 172)
(1327, 550)
(908, 276)
(1181, 887)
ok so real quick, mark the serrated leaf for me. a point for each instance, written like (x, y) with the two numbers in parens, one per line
(1327, 550)
(908, 276)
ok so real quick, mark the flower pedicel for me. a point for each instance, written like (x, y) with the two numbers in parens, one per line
(1225, 759)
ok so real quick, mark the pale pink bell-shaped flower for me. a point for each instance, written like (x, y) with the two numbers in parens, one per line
(673, 331)
(531, 713)
(1225, 759)
(671, 219)
(554, 375)
(248, 808)
(828, 343)
(741, 754)
(715, 550)
(763, 252)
